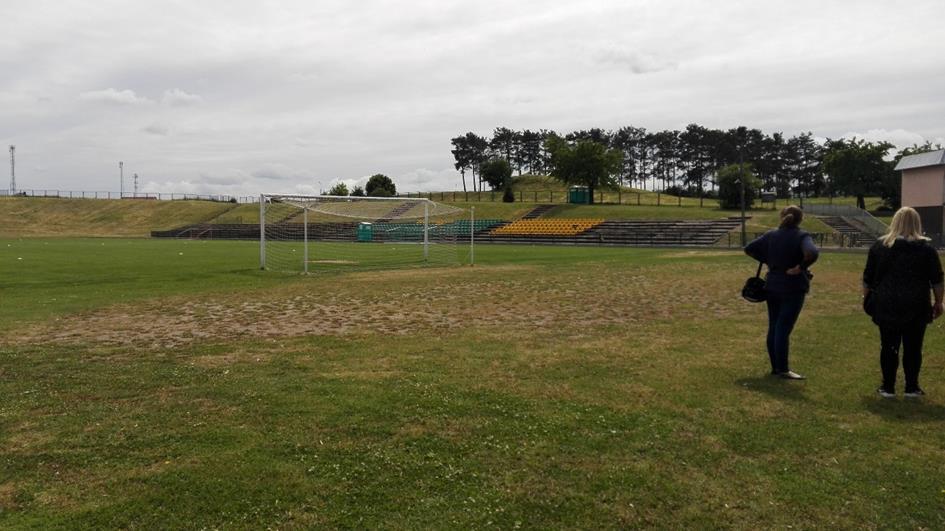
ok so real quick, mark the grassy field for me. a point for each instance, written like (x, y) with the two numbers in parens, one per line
(170, 384)
(39, 217)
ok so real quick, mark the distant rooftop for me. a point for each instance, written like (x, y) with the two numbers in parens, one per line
(932, 158)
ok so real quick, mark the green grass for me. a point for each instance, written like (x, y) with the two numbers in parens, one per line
(546, 387)
(45, 217)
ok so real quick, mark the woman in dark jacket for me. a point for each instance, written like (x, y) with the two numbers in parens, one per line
(900, 271)
(788, 251)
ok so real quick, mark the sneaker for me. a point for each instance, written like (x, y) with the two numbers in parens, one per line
(791, 375)
(914, 393)
(884, 393)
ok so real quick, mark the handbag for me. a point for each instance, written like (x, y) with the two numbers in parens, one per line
(754, 290)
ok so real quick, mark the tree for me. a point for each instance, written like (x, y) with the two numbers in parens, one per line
(730, 187)
(498, 174)
(803, 162)
(584, 162)
(857, 167)
(461, 154)
(357, 192)
(529, 153)
(380, 185)
(469, 151)
(339, 189)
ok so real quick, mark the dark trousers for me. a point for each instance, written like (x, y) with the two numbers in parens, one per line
(910, 336)
(783, 309)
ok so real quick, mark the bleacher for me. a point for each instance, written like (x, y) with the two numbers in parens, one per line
(546, 227)
(548, 231)
(344, 231)
(614, 232)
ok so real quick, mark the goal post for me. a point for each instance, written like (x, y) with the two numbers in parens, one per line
(306, 233)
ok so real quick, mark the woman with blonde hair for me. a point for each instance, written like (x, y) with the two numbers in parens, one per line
(901, 270)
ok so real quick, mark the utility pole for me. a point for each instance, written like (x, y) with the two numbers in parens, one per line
(136, 185)
(12, 170)
(121, 177)
(741, 179)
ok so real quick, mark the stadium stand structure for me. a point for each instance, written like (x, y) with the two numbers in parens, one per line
(337, 231)
(542, 231)
(538, 211)
(620, 232)
(857, 235)
(546, 227)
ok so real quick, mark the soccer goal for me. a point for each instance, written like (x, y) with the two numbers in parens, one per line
(308, 233)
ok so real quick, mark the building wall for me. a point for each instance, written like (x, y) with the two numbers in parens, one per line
(924, 187)
(933, 219)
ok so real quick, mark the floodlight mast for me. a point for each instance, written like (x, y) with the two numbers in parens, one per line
(121, 179)
(12, 170)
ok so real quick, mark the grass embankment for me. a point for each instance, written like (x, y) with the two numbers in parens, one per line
(546, 387)
(38, 217)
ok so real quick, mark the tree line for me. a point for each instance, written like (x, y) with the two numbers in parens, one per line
(688, 162)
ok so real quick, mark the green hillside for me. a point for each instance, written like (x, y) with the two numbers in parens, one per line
(36, 217)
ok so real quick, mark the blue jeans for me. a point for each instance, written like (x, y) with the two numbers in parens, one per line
(783, 309)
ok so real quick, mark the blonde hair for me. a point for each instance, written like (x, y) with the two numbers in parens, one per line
(905, 224)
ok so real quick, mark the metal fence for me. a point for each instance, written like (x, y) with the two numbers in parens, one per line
(824, 240)
(73, 194)
(561, 197)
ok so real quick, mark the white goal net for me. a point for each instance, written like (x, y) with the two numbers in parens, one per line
(309, 233)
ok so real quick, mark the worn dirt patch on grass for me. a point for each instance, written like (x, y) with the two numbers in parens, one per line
(509, 299)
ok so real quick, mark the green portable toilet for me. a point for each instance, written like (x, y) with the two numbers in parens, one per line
(365, 232)
(579, 195)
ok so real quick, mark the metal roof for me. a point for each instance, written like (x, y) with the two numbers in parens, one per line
(932, 158)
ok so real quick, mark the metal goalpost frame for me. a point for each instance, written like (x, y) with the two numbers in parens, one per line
(426, 231)
(472, 236)
(265, 199)
(262, 231)
(305, 240)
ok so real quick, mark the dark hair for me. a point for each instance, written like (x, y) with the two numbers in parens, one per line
(791, 216)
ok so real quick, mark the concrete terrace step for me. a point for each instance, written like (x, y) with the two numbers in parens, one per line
(614, 232)
(538, 211)
(841, 225)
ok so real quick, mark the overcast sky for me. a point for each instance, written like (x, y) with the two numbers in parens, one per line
(243, 97)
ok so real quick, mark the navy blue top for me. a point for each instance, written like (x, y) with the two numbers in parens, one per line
(781, 249)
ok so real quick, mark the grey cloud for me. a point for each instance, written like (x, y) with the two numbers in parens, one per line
(294, 96)
(223, 181)
(177, 97)
(156, 129)
(114, 96)
(636, 61)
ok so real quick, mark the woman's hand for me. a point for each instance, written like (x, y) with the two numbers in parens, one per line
(937, 310)
(796, 270)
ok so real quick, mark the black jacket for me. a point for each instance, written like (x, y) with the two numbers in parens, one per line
(900, 278)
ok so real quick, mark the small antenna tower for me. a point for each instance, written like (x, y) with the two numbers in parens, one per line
(12, 170)
(121, 177)
(136, 185)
